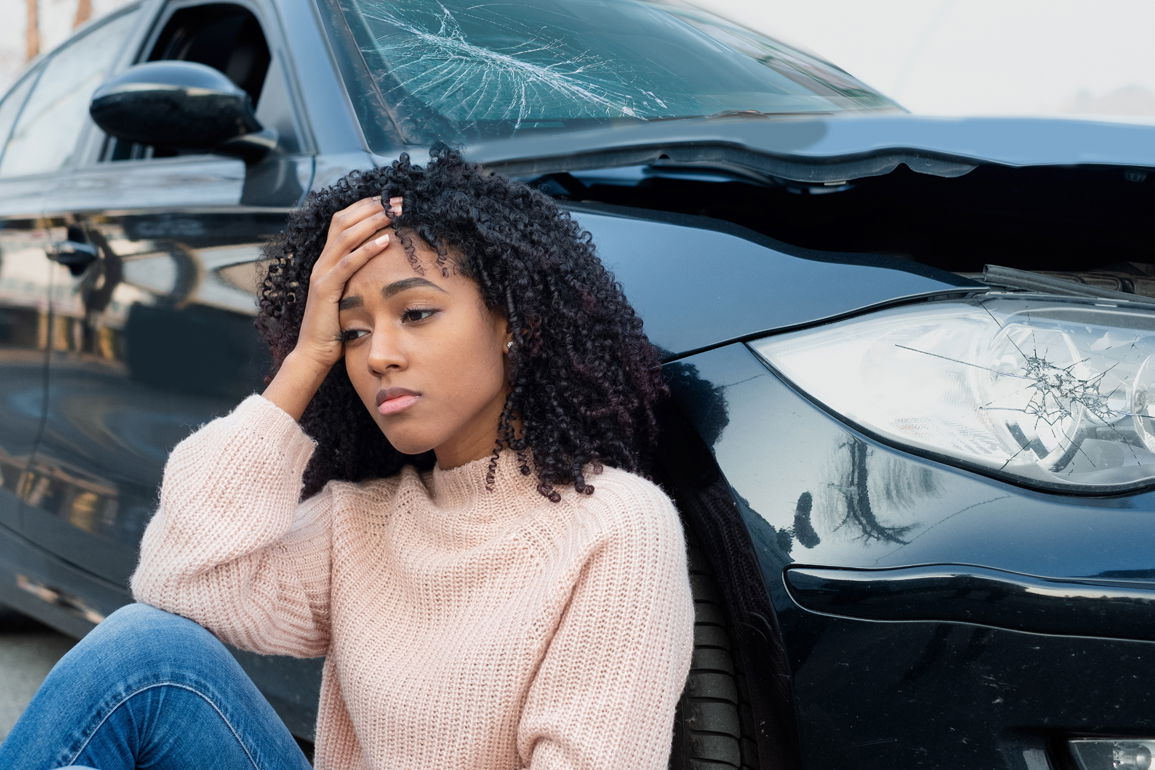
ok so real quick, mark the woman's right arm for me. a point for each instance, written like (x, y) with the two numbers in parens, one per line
(231, 546)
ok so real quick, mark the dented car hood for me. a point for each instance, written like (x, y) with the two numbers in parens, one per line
(700, 283)
(832, 148)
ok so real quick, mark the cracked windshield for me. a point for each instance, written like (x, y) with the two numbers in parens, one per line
(457, 70)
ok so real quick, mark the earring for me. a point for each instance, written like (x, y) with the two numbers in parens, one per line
(509, 346)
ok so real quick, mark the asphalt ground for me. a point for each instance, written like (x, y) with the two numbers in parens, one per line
(27, 651)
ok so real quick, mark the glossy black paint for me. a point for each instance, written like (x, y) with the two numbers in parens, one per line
(699, 283)
(175, 104)
(156, 339)
(879, 696)
(25, 273)
(985, 597)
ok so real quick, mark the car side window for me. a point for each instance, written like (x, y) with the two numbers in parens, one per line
(223, 36)
(47, 130)
(10, 107)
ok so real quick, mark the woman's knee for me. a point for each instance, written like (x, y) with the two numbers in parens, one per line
(135, 617)
(143, 638)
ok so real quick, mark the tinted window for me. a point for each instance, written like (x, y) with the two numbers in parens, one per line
(458, 67)
(46, 134)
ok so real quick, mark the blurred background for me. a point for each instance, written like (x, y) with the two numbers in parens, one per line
(949, 57)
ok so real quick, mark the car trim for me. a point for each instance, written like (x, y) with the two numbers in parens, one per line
(989, 597)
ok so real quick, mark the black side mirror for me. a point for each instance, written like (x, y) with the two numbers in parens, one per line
(182, 105)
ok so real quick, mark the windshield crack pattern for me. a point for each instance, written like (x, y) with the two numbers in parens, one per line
(435, 63)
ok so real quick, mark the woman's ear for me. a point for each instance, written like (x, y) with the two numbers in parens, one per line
(508, 335)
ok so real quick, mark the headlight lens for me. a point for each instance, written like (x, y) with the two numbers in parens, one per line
(1112, 753)
(1054, 392)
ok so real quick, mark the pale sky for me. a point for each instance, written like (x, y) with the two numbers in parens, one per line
(978, 56)
(934, 56)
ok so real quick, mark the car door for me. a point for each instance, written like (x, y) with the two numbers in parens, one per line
(24, 276)
(157, 329)
(47, 142)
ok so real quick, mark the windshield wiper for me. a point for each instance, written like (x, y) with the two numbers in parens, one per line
(1011, 278)
(742, 114)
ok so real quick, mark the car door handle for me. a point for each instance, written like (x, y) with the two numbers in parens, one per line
(989, 597)
(75, 255)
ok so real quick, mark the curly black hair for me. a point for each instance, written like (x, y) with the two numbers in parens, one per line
(583, 377)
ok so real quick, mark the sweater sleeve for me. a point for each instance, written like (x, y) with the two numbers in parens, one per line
(605, 693)
(231, 546)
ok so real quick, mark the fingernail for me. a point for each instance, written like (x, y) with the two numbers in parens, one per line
(382, 240)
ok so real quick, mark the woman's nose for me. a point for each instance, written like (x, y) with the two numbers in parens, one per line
(385, 352)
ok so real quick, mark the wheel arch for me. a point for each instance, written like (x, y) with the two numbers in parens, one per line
(751, 724)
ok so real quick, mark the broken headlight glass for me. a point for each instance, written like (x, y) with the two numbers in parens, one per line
(1059, 393)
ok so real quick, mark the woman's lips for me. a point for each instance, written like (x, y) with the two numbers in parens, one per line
(394, 400)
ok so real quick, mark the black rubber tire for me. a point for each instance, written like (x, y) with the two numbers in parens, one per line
(14, 620)
(712, 727)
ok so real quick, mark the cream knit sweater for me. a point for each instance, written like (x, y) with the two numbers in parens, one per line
(462, 628)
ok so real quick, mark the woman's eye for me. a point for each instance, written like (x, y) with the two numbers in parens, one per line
(416, 314)
(348, 335)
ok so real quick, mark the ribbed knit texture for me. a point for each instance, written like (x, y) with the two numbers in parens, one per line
(462, 628)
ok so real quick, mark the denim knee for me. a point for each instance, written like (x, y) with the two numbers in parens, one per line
(138, 616)
(151, 643)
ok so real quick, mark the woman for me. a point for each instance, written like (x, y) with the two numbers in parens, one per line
(490, 582)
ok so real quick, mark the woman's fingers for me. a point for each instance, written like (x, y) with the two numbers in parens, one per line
(349, 229)
(319, 338)
(356, 234)
(353, 225)
(330, 279)
(342, 270)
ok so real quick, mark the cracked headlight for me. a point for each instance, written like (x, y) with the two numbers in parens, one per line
(1054, 392)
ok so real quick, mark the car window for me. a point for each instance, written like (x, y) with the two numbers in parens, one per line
(56, 112)
(460, 69)
(10, 107)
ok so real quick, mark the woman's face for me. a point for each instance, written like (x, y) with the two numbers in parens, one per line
(425, 355)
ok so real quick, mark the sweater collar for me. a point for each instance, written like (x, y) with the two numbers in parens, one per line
(465, 485)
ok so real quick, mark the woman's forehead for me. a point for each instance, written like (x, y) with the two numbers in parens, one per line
(393, 271)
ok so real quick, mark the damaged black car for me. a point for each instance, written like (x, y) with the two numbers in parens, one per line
(912, 360)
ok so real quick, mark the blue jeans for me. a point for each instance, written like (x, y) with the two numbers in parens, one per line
(149, 689)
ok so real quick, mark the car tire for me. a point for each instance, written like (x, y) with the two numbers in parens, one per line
(713, 727)
(14, 620)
